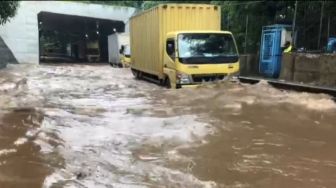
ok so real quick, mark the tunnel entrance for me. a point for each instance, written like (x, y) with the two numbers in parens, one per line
(75, 39)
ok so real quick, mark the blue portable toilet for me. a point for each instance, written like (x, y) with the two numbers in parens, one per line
(273, 38)
(331, 47)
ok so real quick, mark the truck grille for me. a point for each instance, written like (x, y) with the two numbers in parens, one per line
(208, 77)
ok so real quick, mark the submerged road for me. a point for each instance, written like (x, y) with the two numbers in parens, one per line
(96, 126)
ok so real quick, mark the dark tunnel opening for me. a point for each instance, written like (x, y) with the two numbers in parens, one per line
(76, 39)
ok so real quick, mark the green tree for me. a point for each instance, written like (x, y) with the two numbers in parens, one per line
(135, 4)
(143, 4)
(7, 10)
(259, 13)
(150, 4)
(262, 13)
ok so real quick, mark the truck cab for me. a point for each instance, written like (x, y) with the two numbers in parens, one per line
(196, 57)
(125, 55)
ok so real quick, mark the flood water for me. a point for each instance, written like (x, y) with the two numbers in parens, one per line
(96, 126)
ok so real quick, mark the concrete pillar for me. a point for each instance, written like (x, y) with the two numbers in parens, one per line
(287, 67)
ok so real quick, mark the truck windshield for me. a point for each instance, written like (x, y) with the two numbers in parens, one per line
(199, 48)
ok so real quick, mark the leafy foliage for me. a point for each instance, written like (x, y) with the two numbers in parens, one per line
(135, 4)
(7, 10)
(262, 13)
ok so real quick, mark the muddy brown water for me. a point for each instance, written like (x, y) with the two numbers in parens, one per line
(96, 126)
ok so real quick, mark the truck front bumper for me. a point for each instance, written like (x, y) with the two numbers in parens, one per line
(188, 86)
(230, 78)
(209, 80)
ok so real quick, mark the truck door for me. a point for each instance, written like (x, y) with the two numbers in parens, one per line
(169, 61)
(169, 54)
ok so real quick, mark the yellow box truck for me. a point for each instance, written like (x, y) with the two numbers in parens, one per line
(181, 45)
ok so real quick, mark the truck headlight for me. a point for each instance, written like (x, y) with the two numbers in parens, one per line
(183, 78)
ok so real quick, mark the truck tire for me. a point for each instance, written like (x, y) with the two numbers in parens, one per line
(167, 83)
(136, 74)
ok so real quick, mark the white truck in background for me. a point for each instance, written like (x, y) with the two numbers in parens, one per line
(119, 49)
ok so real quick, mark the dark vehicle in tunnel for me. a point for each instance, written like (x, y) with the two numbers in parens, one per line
(92, 51)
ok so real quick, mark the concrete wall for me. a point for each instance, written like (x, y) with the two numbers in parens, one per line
(21, 33)
(249, 64)
(6, 55)
(316, 69)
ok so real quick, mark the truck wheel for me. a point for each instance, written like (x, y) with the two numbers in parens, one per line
(136, 73)
(167, 83)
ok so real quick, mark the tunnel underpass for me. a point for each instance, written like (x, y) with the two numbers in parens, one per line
(75, 39)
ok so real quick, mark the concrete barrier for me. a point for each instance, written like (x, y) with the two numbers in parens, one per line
(287, 67)
(328, 63)
(307, 68)
(249, 64)
(328, 70)
(316, 69)
(307, 62)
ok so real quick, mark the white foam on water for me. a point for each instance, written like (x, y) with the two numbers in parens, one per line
(111, 139)
(266, 94)
(20, 141)
(7, 151)
(7, 86)
(107, 135)
(315, 102)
